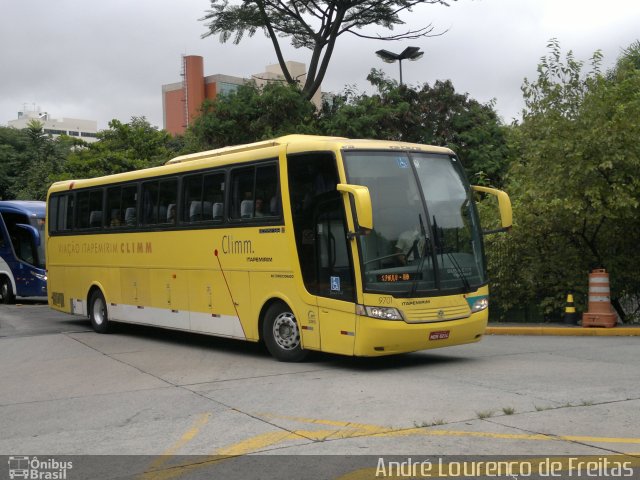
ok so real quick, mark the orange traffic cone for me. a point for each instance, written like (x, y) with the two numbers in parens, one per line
(600, 313)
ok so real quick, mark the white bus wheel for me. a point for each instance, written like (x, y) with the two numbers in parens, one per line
(281, 334)
(98, 312)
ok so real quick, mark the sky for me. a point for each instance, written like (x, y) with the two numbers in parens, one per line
(100, 60)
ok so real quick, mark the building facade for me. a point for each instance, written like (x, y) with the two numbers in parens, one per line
(181, 101)
(74, 127)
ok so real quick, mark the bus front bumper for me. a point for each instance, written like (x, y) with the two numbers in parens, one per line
(383, 337)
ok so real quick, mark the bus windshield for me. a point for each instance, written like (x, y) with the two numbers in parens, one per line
(38, 223)
(426, 237)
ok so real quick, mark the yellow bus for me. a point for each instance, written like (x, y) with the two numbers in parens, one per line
(354, 247)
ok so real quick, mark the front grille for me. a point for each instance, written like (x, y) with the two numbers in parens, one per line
(436, 314)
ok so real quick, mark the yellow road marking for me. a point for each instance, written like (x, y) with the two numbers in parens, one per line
(508, 436)
(345, 430)
(190, 434)
(362, 429)
(186, 437)
(317, 421)
(258, 442)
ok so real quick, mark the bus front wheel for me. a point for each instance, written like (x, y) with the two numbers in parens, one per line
(98, 312)
(282, 335)
(6, 291)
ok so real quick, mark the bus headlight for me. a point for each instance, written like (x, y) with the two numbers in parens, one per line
(383, 313)
(40, 276)
(478, 304)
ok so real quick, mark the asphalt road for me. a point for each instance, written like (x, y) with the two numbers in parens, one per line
(180, 398)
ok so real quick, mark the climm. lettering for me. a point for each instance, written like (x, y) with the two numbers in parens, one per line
(229, 245)
(136, 247)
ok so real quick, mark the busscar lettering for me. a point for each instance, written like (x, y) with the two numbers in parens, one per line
(234, 246)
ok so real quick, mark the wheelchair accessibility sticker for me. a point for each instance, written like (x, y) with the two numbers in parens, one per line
(402, 162)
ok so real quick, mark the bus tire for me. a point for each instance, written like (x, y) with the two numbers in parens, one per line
(281, 334)
(6, 291)
(98, 312)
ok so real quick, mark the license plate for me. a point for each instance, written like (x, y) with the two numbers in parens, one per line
(441, 335)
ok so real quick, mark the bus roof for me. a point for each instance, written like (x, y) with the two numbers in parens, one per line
(340, 142)
(32, 208)
(269, 147)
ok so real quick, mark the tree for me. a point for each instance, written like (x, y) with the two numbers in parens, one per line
(30, 160)
(262, 113)
(13, 145)
(315, 25)
(121, 148)
(574, 184)
(435, 115)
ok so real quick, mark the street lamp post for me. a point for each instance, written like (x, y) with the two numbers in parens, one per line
(410, 53)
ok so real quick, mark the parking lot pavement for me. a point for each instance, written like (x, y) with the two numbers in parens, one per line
(145, 391)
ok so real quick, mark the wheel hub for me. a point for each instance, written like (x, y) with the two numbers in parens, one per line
(285, 331)
(98, 311)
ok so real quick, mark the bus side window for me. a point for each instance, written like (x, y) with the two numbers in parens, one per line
(52, 214)
(242, 193)
(65, 220)
(89, 209)
(114, 213)
(192, 198)
(255, 192)
(267, 198)
(149, 203)
(60, 212)
(168, 196)
(129, 205)
(213, 197)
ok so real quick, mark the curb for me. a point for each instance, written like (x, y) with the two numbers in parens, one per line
(564, 331)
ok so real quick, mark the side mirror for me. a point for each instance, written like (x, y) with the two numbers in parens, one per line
(504, 204)
(35, 234)
(362, 201)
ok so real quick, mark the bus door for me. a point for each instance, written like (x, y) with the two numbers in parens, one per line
(335, 283)
(324, 253)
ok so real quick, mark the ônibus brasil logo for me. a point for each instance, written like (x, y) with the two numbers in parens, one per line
(36, 469)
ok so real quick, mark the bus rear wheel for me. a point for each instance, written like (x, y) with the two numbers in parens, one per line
(281, 334)
(6, 291)
(98, 312)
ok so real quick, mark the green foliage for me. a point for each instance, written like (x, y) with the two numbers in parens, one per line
(29, 160)
(435, 115)
(121, 148)
(574, 185)
(250, 114)
(298, 20)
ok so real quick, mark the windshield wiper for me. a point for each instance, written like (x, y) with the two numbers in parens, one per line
(452, 258)
(423, 255)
